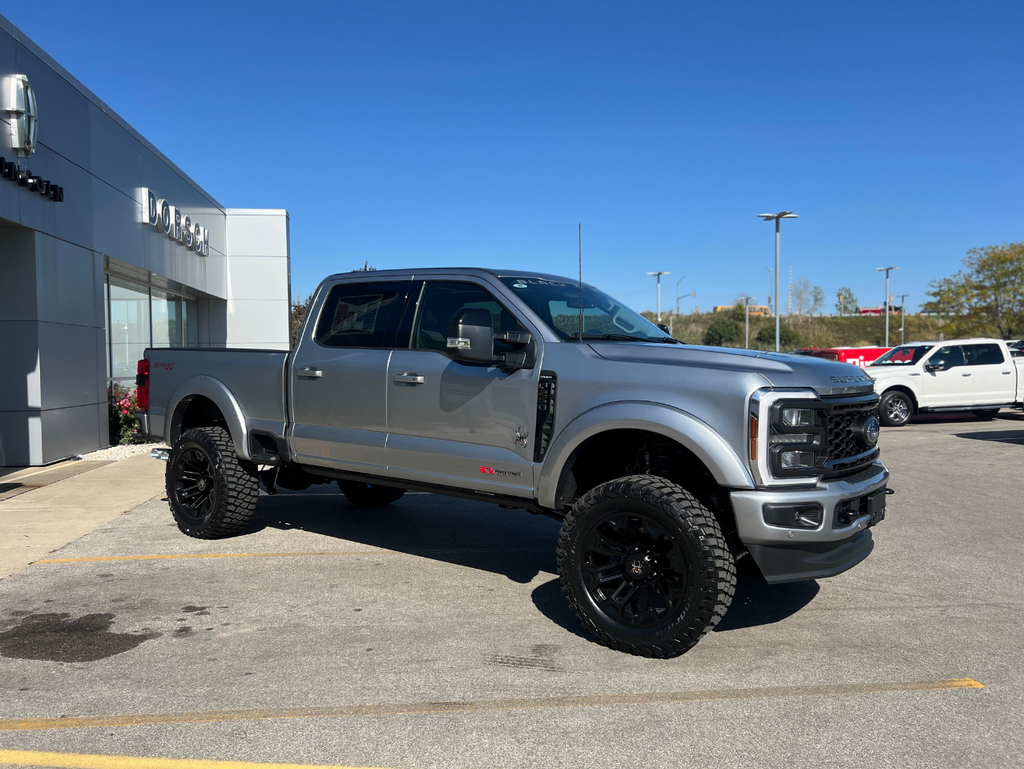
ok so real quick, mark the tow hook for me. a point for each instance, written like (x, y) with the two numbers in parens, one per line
(162, 454)
(889, 492)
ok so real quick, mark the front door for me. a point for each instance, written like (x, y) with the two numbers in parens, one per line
(994, 380)
(953, 385)
(339, 375)
(454, 423)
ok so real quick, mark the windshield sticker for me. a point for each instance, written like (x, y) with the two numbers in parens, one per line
(358, 315)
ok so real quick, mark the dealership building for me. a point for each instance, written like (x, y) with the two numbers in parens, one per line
(107, 248)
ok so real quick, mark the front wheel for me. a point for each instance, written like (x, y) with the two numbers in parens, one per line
(895, 409)
(369, 494)
(212, 492)
(645, 566)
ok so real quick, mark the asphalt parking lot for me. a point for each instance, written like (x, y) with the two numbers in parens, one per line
(433, 634)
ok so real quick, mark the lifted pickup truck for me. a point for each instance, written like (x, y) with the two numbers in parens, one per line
(977, 375)
(665, 462)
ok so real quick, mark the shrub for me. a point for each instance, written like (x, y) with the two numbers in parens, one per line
(121, 408)
(788, 338)
(722, 331)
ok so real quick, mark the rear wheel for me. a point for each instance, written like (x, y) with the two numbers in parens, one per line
(895, 409)
(645, 566)
(211, 491)
(985, 414)
(369, 494)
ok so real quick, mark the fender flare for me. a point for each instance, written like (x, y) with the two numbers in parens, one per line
(900, 384)
(218, 392)
(681, 426)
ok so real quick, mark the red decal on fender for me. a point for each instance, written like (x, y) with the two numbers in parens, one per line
(487, 470)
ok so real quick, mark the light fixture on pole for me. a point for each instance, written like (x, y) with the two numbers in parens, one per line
(746, 320)
(771, 283)
(658, 276)
(903, 315)
(886, 270)
(777, 218)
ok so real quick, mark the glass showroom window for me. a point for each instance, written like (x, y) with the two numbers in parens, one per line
(167, 320)
(129, 328)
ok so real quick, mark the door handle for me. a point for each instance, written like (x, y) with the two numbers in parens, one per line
(1007, 373)
(409, 378)
(965, 374)
(309, 373)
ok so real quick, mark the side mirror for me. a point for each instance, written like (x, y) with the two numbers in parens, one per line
(665, 328)
(471, 335)
(935, 365)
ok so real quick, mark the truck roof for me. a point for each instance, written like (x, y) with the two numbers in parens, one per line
(479, 272)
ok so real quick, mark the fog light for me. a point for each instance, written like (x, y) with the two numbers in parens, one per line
(794, 516)
(798, 417)
(795, 460)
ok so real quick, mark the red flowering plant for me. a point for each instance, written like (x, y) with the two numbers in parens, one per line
(124, 426)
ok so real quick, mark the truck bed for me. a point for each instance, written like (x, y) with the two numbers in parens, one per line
(252, 381)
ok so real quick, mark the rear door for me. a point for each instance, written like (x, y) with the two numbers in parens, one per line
(339, 375)
(455, 423)
(953, 385)
(992, 371)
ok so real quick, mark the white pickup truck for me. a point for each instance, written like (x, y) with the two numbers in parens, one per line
(976, 375)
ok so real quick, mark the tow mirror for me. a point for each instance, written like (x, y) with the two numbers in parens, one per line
(935, 365)
(664, 328)
(471, 335)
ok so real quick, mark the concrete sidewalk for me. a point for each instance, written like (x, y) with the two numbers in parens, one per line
(44, 519)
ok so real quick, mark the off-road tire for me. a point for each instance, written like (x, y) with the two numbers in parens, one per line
(369, 494)
(701, 547)
(985, 414)
(890, 413)
(234, 482)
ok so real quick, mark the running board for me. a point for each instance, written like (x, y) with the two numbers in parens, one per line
(986, 407)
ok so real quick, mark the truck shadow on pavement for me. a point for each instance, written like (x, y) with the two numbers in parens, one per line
(472, 534)
(513, 543)
(1001, 436)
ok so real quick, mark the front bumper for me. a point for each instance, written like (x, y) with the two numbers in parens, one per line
(791, 555)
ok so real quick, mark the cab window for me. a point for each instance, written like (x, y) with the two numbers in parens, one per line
(952, 355)
(441, 300)
(359, 315)
(983, 354)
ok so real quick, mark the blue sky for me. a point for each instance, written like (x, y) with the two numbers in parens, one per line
(429, 134)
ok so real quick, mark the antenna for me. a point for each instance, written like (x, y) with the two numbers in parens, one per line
(581, 279)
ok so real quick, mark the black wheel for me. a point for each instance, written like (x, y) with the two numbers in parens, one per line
(895, 409)
(645, 566)
(369, 494)
(212, 492)
(985, 414)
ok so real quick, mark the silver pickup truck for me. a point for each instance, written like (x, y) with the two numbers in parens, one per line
(665, 463)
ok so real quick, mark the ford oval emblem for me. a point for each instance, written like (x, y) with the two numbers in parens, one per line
(871, 430)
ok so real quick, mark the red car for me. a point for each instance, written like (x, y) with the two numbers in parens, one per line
(858, 356)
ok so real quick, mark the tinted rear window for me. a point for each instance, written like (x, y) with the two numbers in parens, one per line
(983, 354)
(359, 314)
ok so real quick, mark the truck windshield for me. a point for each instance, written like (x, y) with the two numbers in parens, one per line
(558, 305)
(903, 356)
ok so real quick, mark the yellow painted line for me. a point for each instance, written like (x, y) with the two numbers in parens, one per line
(470, 706)
(179, 556)
(81, 761)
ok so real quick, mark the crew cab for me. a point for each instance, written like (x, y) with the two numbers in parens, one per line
(976, 375)
(665, 463)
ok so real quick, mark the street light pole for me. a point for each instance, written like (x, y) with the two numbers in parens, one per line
(903, 315)
(746, 320)
(886, 270)
(776, 218)
(658, 276)
(771, 283)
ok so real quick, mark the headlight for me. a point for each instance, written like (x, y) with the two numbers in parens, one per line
(787, 437)
(798, 417)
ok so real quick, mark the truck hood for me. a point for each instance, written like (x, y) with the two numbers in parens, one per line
(826, 377)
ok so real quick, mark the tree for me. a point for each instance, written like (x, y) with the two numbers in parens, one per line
(365, 268)
(739, 312)
(988, 298)
(817, 300)
(300, 307)
(721, 331)
(803, 296)
(846, 302)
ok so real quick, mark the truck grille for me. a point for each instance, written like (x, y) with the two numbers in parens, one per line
(847, 452)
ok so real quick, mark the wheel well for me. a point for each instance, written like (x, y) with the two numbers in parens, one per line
(616, 453)
(906, 391)
(196, 411)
